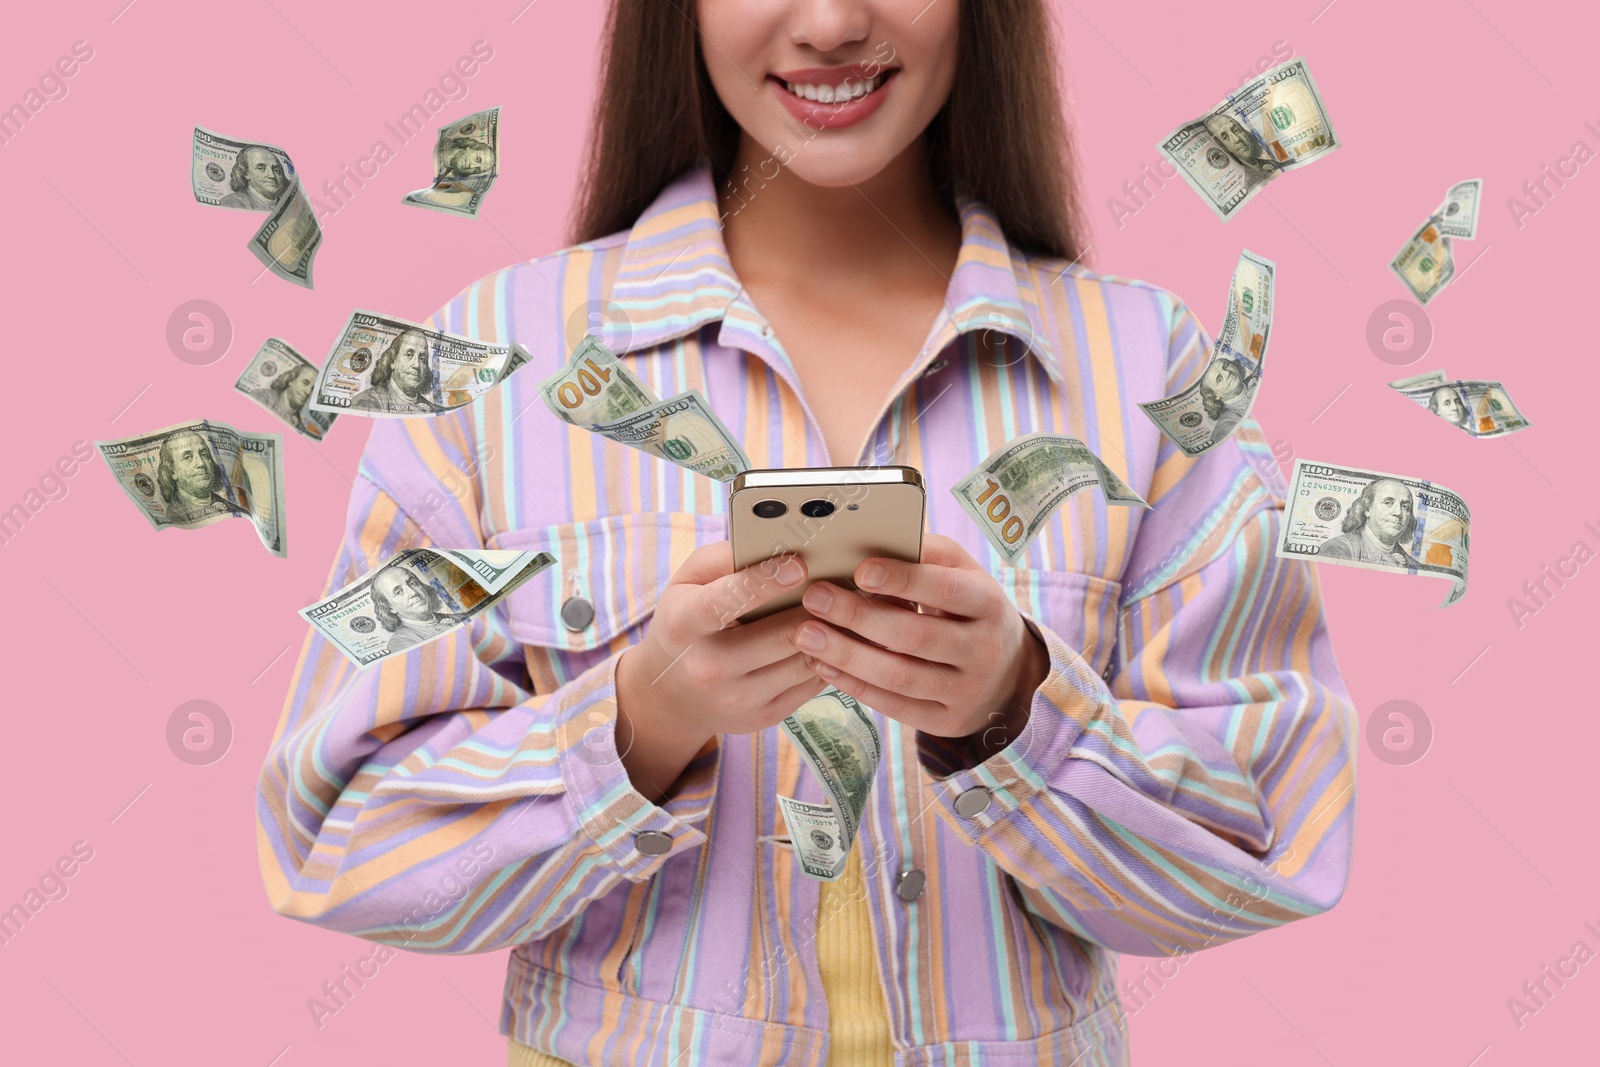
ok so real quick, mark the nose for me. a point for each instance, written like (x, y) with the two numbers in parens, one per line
(829, 24)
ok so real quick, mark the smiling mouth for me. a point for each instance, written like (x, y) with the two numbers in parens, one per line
(846, 91)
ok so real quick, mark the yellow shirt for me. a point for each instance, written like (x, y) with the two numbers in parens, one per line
(858, 1018)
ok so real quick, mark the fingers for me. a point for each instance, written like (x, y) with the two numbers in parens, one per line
(751, 646)
(727, 594)
(908, 677)
(882, 621)
(924, 715)
(953, 588)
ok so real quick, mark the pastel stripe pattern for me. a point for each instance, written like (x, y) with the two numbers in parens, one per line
(1186, 777)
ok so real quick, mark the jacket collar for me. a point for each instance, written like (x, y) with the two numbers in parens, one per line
(675, 276)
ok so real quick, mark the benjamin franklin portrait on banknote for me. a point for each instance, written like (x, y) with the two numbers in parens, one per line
(1382, 519)
(408, 608)
(400, 379)
(257, 180)
(190, 479)
(1446, 403)
(1241, 144)
(286, 396)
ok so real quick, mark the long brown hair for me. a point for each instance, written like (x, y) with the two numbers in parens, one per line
(1002, 132)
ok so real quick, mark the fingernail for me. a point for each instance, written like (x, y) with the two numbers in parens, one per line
(789, 572)
(826, 671)
(818, 598)
(872, 575)
(811, 637)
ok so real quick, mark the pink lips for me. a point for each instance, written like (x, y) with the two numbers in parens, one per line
(832, 116)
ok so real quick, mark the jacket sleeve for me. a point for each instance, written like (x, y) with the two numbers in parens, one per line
(436, 801)
(1207, 790)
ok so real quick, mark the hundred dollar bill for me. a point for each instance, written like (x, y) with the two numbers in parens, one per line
(1205, 413)
(282, 381)
(197, 473)
(245, 175)
(1014, 491)
(466, 161)
(836, 737)
(598, 391)
(287, 243)
(1482, 409)
(416, 596)
(1380, 522)
(1427, 262)
(1272, 124)
(382, 367)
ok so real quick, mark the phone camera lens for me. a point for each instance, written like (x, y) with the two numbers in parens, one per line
(817, 509)
(769, 509)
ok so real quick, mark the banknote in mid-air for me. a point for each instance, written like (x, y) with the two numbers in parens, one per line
(1426, 262)
(416, 596)
(287, 242)
(597, 391)
(197, 473)
(244, 175)
(838, 740)
(1205, 413)
(466, 161)
(282, 381)
(1015, 489)
(1275, 122)
(1480, 408)
(386, 367)
(1381, 522)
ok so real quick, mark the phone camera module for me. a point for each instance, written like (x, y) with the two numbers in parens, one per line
(817, 509)
(769, 509)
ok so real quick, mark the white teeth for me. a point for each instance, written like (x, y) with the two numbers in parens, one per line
(848, 90)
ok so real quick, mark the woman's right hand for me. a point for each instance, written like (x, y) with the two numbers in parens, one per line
(698, 672)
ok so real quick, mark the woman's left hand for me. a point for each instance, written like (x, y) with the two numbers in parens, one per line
(967, 662)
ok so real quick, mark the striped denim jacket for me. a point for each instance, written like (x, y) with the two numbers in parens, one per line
(1185, 777)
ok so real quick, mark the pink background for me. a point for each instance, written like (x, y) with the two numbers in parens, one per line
(1473, 867)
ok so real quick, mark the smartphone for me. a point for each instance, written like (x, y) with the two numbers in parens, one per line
(832, 517)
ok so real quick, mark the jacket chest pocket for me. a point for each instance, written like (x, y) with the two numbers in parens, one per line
(608, 575)
(1083, 609)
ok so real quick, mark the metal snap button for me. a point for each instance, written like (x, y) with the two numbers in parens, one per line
(935, 367)
(909, 887)
(577, 613)
(767, 332)
(973, 801)
(1105, 675)
(652, 843)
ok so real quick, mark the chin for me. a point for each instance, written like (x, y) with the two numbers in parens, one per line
(839, 166)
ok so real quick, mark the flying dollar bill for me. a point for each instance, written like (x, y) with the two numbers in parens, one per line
(1016, 488)
(598, 392)
(244, 175)
(416, 596)
(197, 473)
(287, 242)
(1426, 262)
(384, 367)
(466, 161)
(838, 740)
(1482, 409)
(1272, 124)
(1380, 522)
(282, 381)
(1205, 413)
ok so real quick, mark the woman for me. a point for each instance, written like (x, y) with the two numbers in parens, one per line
(1135, 740)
